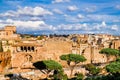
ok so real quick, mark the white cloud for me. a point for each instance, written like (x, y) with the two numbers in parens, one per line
(92, 18)
(94, 27)
(78, 27)
(103, 24)
(33, 11)
(70, 18)
(72, 8)
(106, 18)
(73, 27)
(90, 9)
(9, 14)
(58, 11)
(35, 19)
(114, 27)
(116, 20)
(117, 7)
(27, 25)
(59, 1)
(80, 16)
(99, 26)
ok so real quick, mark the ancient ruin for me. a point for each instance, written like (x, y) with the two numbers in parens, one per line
(19, 53)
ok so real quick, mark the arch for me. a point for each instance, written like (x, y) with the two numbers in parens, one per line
(21, 48)
(28, 57)
(25, 48)
(32, 48)
(29, 49)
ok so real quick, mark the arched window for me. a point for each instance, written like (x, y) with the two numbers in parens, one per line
(25, 48)
(21, 48)
(29, 49)
(32, 48)
(28, 58)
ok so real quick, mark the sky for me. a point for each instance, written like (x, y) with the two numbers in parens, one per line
(61, 16)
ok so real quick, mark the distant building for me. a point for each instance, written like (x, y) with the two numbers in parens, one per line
(115, 44)
(9, 32)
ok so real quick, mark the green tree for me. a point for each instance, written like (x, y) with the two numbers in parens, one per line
(93, 70)
(1, 48)
(46, 66)
(79, 76)
(109, 51)
(76, 58)
(114, 68)
(118, 59)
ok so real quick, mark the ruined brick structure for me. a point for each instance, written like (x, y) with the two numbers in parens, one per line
(9, 32)
(115, 44)
(20, 53)
(5, 60)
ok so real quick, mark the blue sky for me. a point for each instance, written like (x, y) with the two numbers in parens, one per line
(61, 16)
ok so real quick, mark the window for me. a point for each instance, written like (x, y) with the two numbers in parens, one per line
(21, 48)
(25, 48)
(29, 49)
(32, 48)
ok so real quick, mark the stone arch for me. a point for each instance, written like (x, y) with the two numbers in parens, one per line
(25, 48)
(28, 58)
(32, 48)
(21, 48)
(29, 49)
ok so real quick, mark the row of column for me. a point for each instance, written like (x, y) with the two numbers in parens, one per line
(27, 49)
